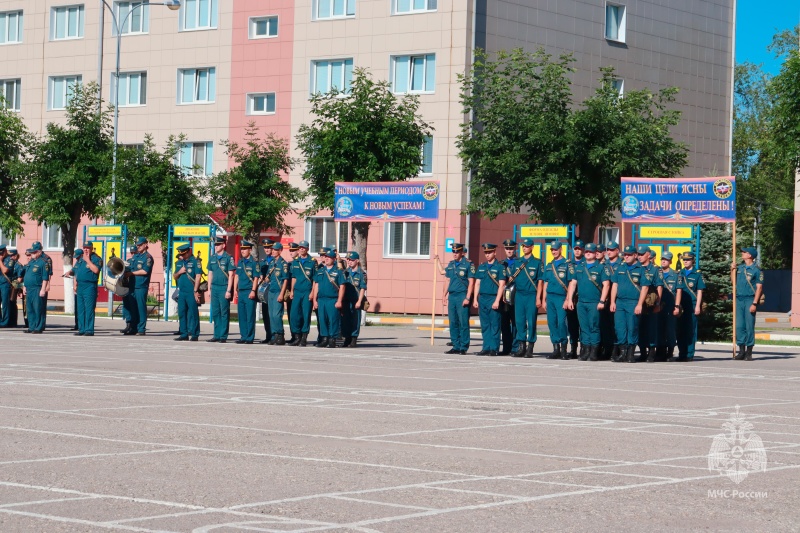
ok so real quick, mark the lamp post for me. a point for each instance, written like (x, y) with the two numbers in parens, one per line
(173, 5)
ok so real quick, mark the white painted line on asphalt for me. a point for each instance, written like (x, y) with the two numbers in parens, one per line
(387, 504)
(88, 456)
(39, 502)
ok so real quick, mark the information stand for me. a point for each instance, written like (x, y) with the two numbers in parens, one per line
(201, 239)
(543, 235)
(674, 238)
(109, 241)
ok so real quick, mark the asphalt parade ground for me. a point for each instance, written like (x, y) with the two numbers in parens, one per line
(146, 434)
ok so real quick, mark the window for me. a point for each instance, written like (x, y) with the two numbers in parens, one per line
(344, 237)
(411, 240)
(607, 234)
(329, 75)
(427, 156)
(198, 14)
(263, 27)
(197, 159)
(132, 89)
(133, 17)
(7, 239)
(413, 6)
(320, 231)
(60, 91)
(615, 22)
(51, 237)
(618, 85)
(197, 85)
(10, 93)
(261, 104)
(66, 22)
(11, 27)
(413, 74)
(328, 9)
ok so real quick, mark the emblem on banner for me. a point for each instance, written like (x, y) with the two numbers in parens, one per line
(723, 188)
(630, 205)
(430, 191)
(344, 206)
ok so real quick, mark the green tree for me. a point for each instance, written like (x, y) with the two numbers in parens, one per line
(256, 194)
(529, 149)
(716, 320)
(368, 136)
(153, 192)
(15, 143)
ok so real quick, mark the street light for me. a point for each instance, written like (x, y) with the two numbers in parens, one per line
(172, 5)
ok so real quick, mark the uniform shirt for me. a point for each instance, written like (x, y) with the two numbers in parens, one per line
(193, 270)
(303, 271)
(747, 280)
(611, 267)
(459, 272)
(11, 265)
(629, 280)
(264, 265)
(556, 275)
(277, 272)
(669, 280)
(490, 275)
(36, 273)
(48, 261)
(19, 271)
(82, 272)
(690, 281)
(246, 270)
(357, 280)
(143, 261)
(221, 266)
(527, 273)
(590, 278)
(329, 281)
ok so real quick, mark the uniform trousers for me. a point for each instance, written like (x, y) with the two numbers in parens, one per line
(5, 304)
(188, 315)
(687, 332)
(220, 311)
(626, 322)
(458, 314)
(36, 309)
(330, 319)
(300, 312)
(275, 313)
(87, 301)
(557, 318)
(589, 318)
(490, 321)
(525, 312)
(745, 321)
(247, 315)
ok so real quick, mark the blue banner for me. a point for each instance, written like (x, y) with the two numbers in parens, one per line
(394, 201)
(678, 200)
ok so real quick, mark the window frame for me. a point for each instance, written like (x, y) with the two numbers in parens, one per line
(144, 20)
(211, 83)
(621, 26)
(608, 233)
(427, 142)
(208, 164)
(315, 9)
(328, 223)
(10, 242)
(45, 238)
(252, 23)
(17, 94)
(19, 15)
(213, 16)
(51, 80)
(412, 11)
(81, 25)
(142, 88)
(345, 90)
(393, 61)
(250, 109)
(387, 241)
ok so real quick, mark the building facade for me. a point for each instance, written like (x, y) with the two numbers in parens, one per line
(214, 66)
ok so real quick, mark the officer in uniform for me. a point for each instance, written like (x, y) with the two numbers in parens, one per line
(87, 272)
(556, 276)
(490, 284)
(354, 296)
(221, 270)
(508, 327)
(667, 321)
(527, 278)
(302, 272)
(458, 295)
(36, 285)
(128, 300)
(328, 298)
(7, 268)
(608, 334)
(246, 283)
(592, 286)
(16, 290)
(187, 276)
(277, 277)
(690, 297)
(48, 262)
(294, 252)
(267, 244)
(573, 324)
(140, 269)
(749, 288)
(628, 293)
(600, 256)
(648, 321)
(77, 255)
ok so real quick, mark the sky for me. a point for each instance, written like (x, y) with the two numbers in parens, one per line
(756, 22)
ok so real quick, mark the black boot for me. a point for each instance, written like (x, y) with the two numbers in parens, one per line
(594, 353)
(295, 339)
(632, 353)
(573, 354)
(529, 350)
(620, 352)
(556, 352)
(346, 343)
(127, 327)
(332, 342)
(651, 354)
(748, 353)
(616, 352)
(670, 353)
(267, 340)
(584, 352)
(354, 342)
(642, 354)
(741, 355)
(280, 339)
(564, 353)
(520, 351)
(322, 342)
(303, 339)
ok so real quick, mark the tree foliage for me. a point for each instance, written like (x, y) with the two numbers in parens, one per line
(716, 245)
(15, 144)
(529, 149)
(366, 135)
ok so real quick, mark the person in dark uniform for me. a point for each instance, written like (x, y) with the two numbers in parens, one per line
(573, 324)
(36, 285)
(749, 288)
(302, 272)
(7, 268)
(221, 269)
(667, 321)
(648, 321)
(48, 261)
(556, 274)
(267, 244)
(16, 290)
(87, 272)
(628, 292)
(490, 283)
(690, 297)
(592, 285)
(294, 252)
(246, 282)
(187, 275)
(128, 300)
(277, 277)
(140, 268)
(527, 278)
(328, 298)
(508, 328)
(354, 297)
(457, 297)
(608, 334)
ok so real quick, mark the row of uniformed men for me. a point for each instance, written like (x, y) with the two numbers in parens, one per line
(610, 305)
(299, 286)
(31, 280)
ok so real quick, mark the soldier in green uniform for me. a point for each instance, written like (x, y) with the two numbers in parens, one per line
(302, 272)
(221, 270)
(508, 327)
(263, 265)
(667, 321)
(592, 285)
(187, 276)
(294, 252)
(16, 290)
(354, 295)
(690, 297)
(246, 283)
(490, 283)
(36, 284)
(573, 324)
(87, 272)
(328, 298)
(138, 273)
(608, 333)
(749, 288)
(128, 301)
(628, 292)
(458, 295)
(277, 277)
(556, 274)
(600, 256)
(527, 278)
(648, 321)
(48, 262)
(7, 268)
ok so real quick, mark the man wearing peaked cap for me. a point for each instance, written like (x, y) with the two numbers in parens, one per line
(16, 289)
(608, 334)
(355, 289)
(573, 324)
(457, 296)
(245, 282)
(138, 273)
(188, 272)
(689, 296)
(592, 286)
(36, 284)
(221, 269)
(328, 297)
(556, 276)
(301, 272)
(264, 264)
(527, 277)
(490, 283)
(508, 327)
(648, 321)
(277, 278)
(87, 273)
(667, 321)
(749, 290)
(628, 292)
(7, 267)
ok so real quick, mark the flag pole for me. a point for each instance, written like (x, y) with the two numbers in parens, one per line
(735, 275)
(435, 275)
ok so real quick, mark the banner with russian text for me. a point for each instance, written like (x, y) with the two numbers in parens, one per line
(393, 201)
(679, 200)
